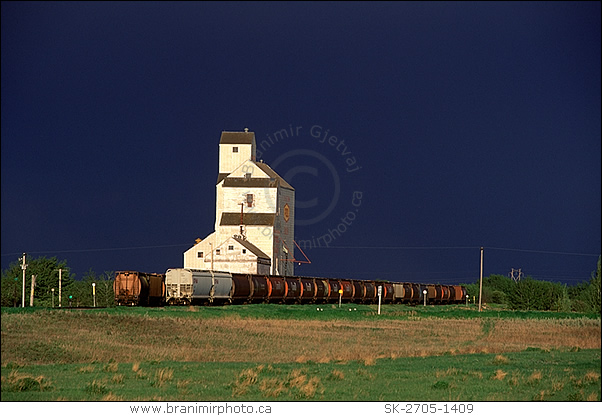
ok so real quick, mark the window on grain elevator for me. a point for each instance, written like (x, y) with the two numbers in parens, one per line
(250, 200)
(235, 149)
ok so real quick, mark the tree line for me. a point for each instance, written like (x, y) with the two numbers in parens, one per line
(531, 294)
(74, 293)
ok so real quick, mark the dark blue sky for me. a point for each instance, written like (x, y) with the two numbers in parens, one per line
(455, 125)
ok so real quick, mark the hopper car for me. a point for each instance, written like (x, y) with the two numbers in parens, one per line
(181, 286)
(139, 288)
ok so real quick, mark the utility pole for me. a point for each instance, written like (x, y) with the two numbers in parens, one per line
(23, 267)
(60, 278)
(481, 281)
(33, 284)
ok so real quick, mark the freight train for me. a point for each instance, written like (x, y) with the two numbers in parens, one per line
(180, 286)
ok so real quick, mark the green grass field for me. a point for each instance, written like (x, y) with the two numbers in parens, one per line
(274, 352)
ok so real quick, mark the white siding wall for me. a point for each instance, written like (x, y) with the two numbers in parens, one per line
(229, 161)
(228, 199)
(260, 236)
(191, 259)
(233, 260)
(264, 199)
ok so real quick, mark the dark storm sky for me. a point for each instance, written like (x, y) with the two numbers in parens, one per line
(455, 125)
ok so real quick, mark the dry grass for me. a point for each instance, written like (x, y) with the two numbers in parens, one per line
(112, 367)
(110, 397)
(499, 375)
(163, 375)
(557, 385)
(118, 378)
(500, 359)
(515, 379)
(135, 338)
(591, 377)
(369, 361)
(588, 378)
(22, 382)
(452, 371)
(297, 384)
(87, 369)
(246, 378)
(272, 387)
(337, 375)
(535, 377)
(97, 387)
(474, 374)
(309, 389)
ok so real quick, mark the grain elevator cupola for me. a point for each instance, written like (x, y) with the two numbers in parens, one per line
(234, 149)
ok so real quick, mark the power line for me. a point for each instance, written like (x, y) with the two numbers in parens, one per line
(318, 247)
(456, 247)
(540, 252)
(396, 247)
(101, 249)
